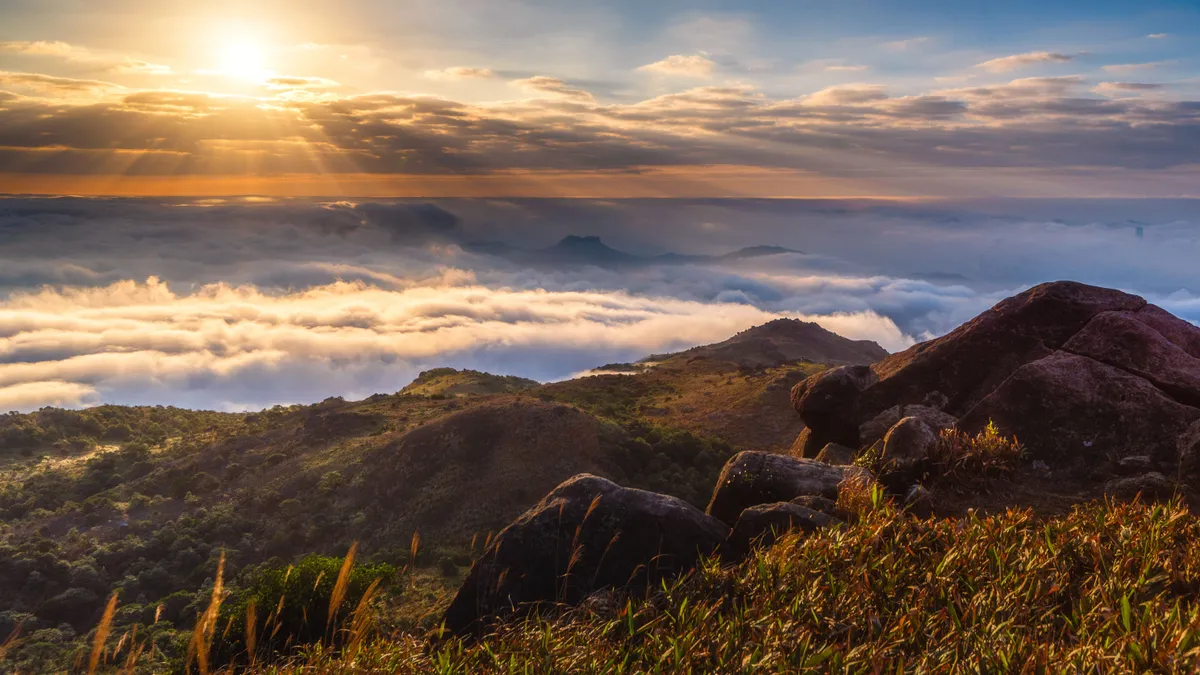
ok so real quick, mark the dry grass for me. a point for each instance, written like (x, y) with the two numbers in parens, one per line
(1106, 588)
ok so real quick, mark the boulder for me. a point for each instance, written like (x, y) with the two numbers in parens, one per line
(1084, 377)
(1148, 486)
(828, 404)
(905, 452)
(874, 429)
(751, 478)
(1121, 341)
(972, 360)
(836, 455)
(759, 526)
(1074, 412)
(827, 506)
(1188, 446)
(588, 534)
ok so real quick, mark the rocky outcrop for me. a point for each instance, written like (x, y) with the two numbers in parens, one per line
(1083, 376)
(587, 534)
(752, 478)
(760, 526)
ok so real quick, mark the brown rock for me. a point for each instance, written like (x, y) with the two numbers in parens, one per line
(875, 428)
(1069, 410)
(825, 505)
(828, 404)
(836, 455)
(1179, 332)
(1148, 486)
(587, 534)
(1189, 456)
(751, 478)
(1122, 341)
(759, 527)
(971, 361)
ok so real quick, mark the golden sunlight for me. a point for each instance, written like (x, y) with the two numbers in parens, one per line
(244, 59)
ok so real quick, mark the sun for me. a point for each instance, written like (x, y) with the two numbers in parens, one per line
(244, 60)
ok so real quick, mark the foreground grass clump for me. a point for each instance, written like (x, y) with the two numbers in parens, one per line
(1106, 588)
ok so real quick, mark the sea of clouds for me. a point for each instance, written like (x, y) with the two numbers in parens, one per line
(244, 304)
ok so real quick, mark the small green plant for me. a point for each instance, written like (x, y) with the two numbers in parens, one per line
(959, 455)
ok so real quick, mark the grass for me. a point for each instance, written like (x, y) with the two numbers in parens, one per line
(1108, 587)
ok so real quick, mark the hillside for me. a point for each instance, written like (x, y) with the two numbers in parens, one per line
(607, 523)
(144, 500)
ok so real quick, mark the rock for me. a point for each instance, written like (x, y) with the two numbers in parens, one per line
(800, 447)
(827, 506)
(875, 428)
(972, 360)
(836, 455)
(828, 404)
(919, 501)
(911, 440)
(1148, 486)
(1083, 376)
(1188, 446)
(759, 526)
(1135, 464)
(1120, 340)
(1072, 411)
(905, 453)
(751, 478)
(588, 534)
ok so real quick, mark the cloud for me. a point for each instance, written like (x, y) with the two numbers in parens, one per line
(143, 68)
(1158, 36)
(848, 94)
(908, 43)
(239, 347)
(50, 83)
(459, 73)
(1120, 88)
(241, 304)
(41, 48)
(1005, 64)
(291, 83)
(694, 65)
(552, 86)
(845, 69)
(1134, 67)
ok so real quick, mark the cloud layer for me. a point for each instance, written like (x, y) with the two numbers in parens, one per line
(238, 304)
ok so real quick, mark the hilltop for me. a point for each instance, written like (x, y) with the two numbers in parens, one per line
(451, 382)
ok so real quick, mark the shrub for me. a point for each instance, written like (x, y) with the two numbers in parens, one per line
(292, 606)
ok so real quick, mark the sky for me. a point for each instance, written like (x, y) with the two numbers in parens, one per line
(608, 98)
(234, 205)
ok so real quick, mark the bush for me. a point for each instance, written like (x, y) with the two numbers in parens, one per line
(290, 606)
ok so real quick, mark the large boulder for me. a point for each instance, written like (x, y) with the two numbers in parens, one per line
(828, 404)
(587, 534)
(760, 526)
(1083, 376)
(874, 429)
(751, 478)
(1074, 412)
